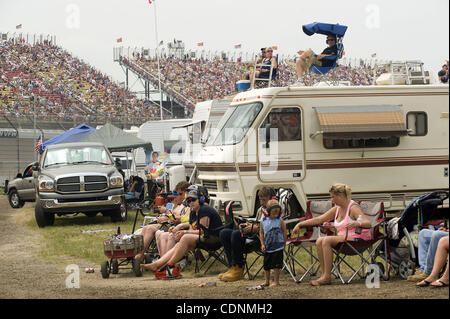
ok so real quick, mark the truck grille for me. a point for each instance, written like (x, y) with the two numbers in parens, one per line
(81, 184)
(210, 185)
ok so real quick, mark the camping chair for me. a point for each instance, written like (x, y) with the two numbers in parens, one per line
(252, 245)
(327, 29)
(215, 251)
(258, 82)
(374, 211)
(306, 242)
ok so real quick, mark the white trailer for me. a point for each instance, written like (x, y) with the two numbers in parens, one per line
(164, 138)
(388, 143)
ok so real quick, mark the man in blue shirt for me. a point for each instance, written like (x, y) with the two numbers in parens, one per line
(308, 58)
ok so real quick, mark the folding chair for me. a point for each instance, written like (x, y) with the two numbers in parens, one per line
(215, 251)
(374, 211)
(306, 242)
(252, 245)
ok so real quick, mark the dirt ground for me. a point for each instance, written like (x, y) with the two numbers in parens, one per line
(24, 275)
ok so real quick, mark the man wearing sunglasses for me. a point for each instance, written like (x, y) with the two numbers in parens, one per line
(308, 57)
(204, 225)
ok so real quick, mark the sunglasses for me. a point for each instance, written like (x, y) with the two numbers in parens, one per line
(190, 200)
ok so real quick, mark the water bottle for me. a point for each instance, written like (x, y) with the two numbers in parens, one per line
(359, 229)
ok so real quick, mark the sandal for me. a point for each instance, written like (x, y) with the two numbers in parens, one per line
(423, 283)
(442, 284)
(317, 283)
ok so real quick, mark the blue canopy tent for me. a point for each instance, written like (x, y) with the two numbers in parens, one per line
(75, 134)
(327, 29)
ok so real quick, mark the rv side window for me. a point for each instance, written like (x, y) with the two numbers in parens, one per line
(417, 123)
(361, 143)
(287, 123)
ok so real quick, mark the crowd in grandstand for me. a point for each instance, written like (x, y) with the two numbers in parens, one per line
(46, 78)
(54, 83)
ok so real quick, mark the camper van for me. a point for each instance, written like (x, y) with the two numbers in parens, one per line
(205, 120)
(388, 143)
(165, 139)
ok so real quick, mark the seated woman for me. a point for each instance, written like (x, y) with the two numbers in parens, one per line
(136, 190)
(174, 217)
(166, 240)
(201, 214)
(439, 261)
(263, 72)
(347, 215)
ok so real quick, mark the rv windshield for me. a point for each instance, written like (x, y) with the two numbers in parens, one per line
(236, 125)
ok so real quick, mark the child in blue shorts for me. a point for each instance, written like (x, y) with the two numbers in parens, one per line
(273, 238)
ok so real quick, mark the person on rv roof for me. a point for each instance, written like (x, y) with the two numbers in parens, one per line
(267, 60)
(308, 57)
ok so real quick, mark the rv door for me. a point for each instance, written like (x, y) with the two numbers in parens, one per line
(280, 146)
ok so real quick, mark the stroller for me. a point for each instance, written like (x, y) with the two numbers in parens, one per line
(402, 251)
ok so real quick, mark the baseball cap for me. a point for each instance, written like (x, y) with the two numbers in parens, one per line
(442, 73)
(193, 194)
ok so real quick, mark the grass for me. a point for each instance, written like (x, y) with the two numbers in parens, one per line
(66, 239)
(66, 236)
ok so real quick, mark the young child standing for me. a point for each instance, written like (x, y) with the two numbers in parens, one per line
(273, 237)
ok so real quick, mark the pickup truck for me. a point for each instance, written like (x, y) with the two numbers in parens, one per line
(21, 189)
(78, 178)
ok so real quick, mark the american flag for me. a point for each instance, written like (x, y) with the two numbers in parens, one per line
(237, 46)
(37, 148)
(119, 40)
(374, 55)
(161, 43)
(19, 26)
(200, 44)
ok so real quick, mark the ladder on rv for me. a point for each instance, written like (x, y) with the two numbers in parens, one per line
(411, 71)
(254, 78)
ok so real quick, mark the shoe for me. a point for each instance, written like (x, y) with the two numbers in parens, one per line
(160, 274)
(440, 284)
(172, 272)
(227, 272)
(419, 276)
(236, 274)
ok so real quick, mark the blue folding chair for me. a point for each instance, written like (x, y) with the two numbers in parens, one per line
(327, 29)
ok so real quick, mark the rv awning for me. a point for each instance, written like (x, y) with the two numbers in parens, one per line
(351, 122)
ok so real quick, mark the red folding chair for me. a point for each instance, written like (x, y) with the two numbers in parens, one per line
(374, 211)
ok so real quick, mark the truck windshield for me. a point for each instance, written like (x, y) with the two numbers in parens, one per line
(236, 125)
(77, 155)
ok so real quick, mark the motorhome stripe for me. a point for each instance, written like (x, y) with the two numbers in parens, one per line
(333, 163)
(353, 95)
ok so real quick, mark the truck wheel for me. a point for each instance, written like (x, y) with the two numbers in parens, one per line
(120, 214)
(43, 218)
(14, 199)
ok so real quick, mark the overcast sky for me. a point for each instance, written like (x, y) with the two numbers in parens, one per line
(394, 29)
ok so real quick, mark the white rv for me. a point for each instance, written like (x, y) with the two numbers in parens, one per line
(205, 119)
(388, 143)
(164, 138)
